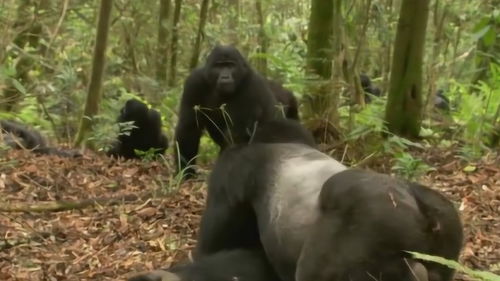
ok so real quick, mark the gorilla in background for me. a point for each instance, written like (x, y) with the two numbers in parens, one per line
(227, 98)
(369, 88)
(241, 265)
(147, 133)
(441, 101)
(18, 136)
(285, 97)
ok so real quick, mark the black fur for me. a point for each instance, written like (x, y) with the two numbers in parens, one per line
(18, 136)
(241, 265)
(441, 101)
(227, 98)
(283, 131)
(286, 98)
(266, 196)
(369, 88)
(147, 133)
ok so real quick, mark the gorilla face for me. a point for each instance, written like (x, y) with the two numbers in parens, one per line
(226, 68)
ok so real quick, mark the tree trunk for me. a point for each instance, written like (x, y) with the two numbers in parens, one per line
(162, 48)
(261, 61)
(404, 104)
(29, 35)
(320, 105)
(173, 45)
(98, 62)
(201, 29)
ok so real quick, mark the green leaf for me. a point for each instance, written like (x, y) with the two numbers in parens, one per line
(470, 169)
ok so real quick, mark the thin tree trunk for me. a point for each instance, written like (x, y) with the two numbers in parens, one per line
(404, 104)
(98, 63)
(162, 48)
(261, 61)
(201, 29)
(173, 45)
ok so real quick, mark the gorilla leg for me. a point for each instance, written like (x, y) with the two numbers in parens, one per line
(242, 265)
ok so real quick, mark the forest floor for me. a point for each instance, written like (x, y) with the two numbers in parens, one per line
(139, 230)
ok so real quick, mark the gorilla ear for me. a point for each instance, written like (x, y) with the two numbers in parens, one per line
(427, 202)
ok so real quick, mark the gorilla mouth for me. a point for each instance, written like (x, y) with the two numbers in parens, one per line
(225, 88)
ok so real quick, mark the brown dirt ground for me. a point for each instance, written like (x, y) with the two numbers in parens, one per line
(108, 242)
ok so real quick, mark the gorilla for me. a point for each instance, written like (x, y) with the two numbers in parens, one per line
(238, 264)
(318, 220)
(287, 100)
(146, 134)
(227, 98)
(369, 88)
(441, 101)
(18, 136)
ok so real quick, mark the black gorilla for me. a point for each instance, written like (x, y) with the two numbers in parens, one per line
(18, 136)
(318, 220)
(286, 98)
(241, 265)
(369, 88)
(147, 133)
(441, 101)
(227, 98)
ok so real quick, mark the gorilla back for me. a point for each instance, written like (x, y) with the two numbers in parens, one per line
(147, 133)
(225, 97)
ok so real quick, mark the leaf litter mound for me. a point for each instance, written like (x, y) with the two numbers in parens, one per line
(122, 217)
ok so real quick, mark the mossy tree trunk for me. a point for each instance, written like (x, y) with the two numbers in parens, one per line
(320, 105)
(172, 71)
(98, 63)
(162, 48)
(404, 104)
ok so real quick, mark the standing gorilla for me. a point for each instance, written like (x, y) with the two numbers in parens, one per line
(147, 133)
(317, 220)
(225, 97)
(287, 100)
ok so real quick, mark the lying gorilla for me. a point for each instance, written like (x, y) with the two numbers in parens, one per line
(18, 136)
(147, 133)
(285, 97)
(318, 220)
(227, 98)
(241, 265)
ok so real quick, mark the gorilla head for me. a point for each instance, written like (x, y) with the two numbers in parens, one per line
(226, 67)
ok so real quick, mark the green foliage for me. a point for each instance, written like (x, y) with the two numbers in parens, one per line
(409, 167)
(475, 274)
